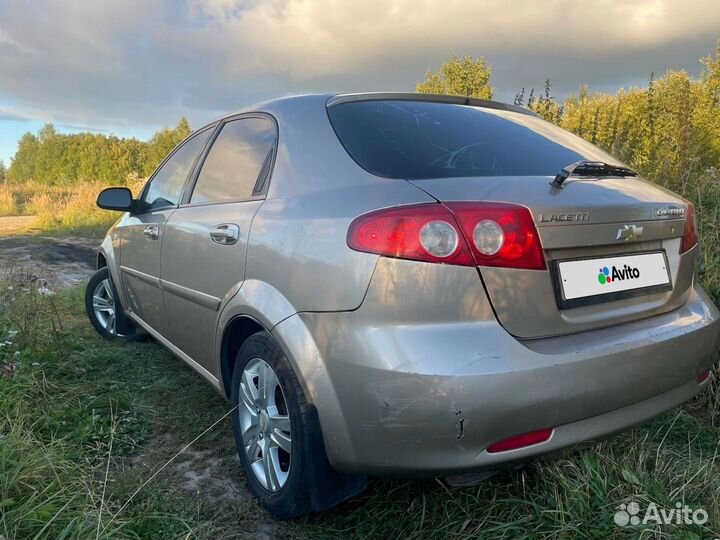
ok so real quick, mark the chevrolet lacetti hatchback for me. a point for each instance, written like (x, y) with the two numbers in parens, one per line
(410, 285)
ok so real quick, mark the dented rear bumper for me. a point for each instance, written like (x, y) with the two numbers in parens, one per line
(413, 390)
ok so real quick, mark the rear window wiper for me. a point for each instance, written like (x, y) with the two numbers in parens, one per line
(590, 168)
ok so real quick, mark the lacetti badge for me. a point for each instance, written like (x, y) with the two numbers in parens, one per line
(569, 217)
(608, 275)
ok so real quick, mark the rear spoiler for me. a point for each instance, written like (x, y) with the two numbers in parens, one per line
(432, 98)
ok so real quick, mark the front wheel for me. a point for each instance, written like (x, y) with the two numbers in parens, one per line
(104, 309)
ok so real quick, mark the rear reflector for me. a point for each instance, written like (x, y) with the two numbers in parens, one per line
(689, 239)
(703, 377)
(521, 441)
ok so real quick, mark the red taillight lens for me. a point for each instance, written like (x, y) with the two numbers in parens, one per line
(703, 377)
(689, 239)
(467, 234)
(481, 222)
(521, 441)
(422, 232)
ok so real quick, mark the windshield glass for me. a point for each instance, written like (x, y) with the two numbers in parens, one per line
(416, 139)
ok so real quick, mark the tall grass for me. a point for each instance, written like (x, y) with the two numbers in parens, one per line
(704, 191)
(8, 206)
(69, 208)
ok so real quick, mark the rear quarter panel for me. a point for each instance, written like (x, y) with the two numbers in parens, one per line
(298, 239)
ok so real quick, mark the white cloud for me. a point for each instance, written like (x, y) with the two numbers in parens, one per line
(146, 63)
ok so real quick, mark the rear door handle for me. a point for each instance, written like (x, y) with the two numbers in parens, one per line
(225, 234)
(152, 232)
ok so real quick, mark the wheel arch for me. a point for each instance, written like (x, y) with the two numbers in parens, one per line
(256, 306)
(108, 258)
(235, 333)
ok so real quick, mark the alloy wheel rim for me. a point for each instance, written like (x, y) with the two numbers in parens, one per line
(104, 305)
(265, 425)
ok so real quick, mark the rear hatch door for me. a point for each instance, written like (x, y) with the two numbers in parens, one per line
(612, 247)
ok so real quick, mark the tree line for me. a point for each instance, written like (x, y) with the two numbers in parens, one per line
(51, 158)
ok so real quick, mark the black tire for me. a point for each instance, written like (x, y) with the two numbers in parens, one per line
(293, 499)
(122, 328)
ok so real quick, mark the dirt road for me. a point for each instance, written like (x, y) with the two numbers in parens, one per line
(15, 224)
(55, 262)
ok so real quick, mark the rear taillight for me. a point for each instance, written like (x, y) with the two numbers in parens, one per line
(500, 234)
(521, 441)
(689, 239)
(423, 232)
(467, 234)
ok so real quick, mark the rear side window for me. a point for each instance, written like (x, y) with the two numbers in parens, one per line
(240, 156)
(415, 139)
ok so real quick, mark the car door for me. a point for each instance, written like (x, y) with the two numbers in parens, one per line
(142, 233)
(203, 253)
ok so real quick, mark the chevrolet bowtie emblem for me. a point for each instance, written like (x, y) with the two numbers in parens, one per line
(628, 232)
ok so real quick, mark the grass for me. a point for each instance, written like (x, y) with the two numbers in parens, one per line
(84, 423)
(66, 209)
(73, 407)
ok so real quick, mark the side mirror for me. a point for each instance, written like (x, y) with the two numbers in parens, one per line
(116, 198)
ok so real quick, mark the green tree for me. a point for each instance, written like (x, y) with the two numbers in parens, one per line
(49, 157)
(3, 172)
(22, 166)
(466, 76)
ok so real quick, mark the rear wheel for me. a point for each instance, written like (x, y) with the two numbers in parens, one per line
(265, 425)
(270, 425)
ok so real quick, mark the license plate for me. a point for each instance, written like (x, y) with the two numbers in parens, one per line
(607, 275)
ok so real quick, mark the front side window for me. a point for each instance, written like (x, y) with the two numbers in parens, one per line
(166, 186)
(238, 157)
(417, 139)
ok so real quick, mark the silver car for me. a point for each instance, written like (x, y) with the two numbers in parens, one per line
(408, 285)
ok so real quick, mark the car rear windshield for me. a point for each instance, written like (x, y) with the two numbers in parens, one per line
(417, 139)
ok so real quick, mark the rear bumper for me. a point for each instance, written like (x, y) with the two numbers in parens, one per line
(422, 397)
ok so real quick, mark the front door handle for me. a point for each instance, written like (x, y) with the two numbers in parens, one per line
(225, 234)
(152, 232)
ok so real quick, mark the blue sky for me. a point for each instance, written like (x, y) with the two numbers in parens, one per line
(134, 66)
